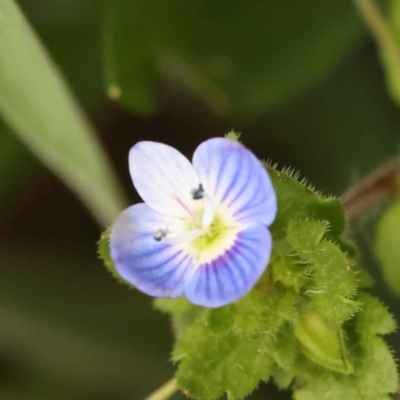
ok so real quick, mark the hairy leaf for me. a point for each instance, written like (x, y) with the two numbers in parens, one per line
(333, 279)
(322, 341)
(230, 347)
(375, 373)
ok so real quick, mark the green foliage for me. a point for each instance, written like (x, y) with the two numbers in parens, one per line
(231, 348)
(375, 374)
(322, 340)
(374, 319)
(103, 249)
(387, 34)
(333, 279)
(388, 246)
(299, 201)
(185, 313)
(232, 135)
(36, 104)
(278, 49)
(15, 164)
(297, 325)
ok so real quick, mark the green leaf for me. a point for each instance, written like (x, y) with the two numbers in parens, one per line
(183, 313)
(230, 347)
(378, 374)
(375, 377)
(388, 246)
(285, 349)
(374, 318)
(285, 268)
(364, 279)
(104, 253)
(333, 279)
(35, 102)
(232, 135)
(297, 201)
(322, 341)
(375, 373)
(279, 49)
(281, 377)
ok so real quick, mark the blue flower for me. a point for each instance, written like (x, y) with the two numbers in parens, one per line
(203, 229)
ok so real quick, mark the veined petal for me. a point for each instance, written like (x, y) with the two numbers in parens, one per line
(232, 274)
(164, 178)
(154, 267)
(233, 176)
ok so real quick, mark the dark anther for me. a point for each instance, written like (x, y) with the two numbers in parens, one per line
(160, 234)
(198, 193)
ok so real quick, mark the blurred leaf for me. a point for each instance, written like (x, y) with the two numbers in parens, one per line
(16, 165)
(388, 246)
(71, 31)
(351, 110)
(387, 35)
(37, 105)
(76, 331)
(234, 56)
(129, 68)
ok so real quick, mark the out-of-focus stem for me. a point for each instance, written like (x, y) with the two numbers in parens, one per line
(372, 190)
(388, 43)
(373, 17)
(383, 181)
(165, 391)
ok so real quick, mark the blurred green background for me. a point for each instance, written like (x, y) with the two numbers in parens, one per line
(303, 83)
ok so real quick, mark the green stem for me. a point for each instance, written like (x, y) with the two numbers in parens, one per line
(165, 391)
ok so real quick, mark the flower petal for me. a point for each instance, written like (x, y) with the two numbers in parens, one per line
(232, 175)
(154, 267)
(234, 273)
(163, 177)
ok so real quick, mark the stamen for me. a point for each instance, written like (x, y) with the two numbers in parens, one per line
(184, 237)
(160, 234)
(209, 212)
(198, 193)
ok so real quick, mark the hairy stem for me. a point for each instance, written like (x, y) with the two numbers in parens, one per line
(165, 391)
(372, 190)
